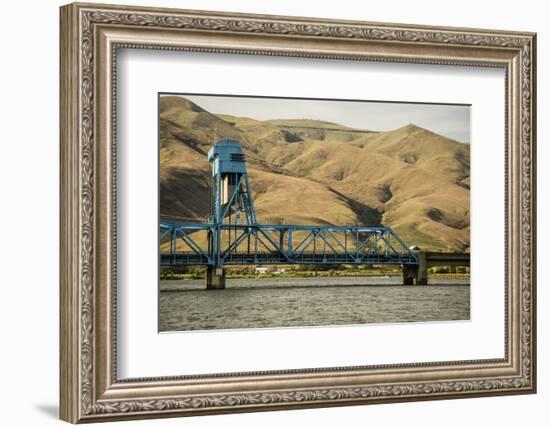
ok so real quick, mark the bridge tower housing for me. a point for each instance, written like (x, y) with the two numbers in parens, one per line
(231, 200)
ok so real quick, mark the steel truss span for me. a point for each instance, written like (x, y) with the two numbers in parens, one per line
(195, 244)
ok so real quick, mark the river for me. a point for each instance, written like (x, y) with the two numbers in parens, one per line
(314, 301)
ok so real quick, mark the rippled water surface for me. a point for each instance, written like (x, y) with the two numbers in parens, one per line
(278, 302)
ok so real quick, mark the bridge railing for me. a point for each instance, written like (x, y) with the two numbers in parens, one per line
(234, 244)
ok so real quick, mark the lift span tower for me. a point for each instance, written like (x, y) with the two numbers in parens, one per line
(233, 236)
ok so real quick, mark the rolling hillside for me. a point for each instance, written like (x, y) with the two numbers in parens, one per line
(315, 172)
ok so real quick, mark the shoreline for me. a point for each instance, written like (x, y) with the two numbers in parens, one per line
(179, 277)
(308, 282)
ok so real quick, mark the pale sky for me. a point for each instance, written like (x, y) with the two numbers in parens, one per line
(452, 121)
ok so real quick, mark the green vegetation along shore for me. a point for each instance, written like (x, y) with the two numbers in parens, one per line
(303, 271)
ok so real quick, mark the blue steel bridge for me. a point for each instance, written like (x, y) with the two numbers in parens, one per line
(233, 236)
(278, 244)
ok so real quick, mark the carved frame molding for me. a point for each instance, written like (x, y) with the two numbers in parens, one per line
(90, 37)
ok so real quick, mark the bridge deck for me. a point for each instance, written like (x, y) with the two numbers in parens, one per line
(275, 257)
(448, 258)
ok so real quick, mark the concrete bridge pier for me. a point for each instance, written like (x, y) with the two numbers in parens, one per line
(215, 277)
(409, 274)
(416, 274)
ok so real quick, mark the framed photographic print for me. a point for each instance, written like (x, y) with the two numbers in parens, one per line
(266, 212)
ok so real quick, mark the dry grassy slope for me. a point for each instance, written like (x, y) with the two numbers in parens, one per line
(410, 179)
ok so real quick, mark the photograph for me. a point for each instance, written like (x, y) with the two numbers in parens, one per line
(295, 212)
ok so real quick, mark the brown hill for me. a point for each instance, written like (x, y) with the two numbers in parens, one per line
(315, 172)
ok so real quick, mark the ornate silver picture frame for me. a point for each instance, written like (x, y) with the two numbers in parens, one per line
(91, 37)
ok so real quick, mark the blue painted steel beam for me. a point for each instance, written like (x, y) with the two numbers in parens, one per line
(333, 248)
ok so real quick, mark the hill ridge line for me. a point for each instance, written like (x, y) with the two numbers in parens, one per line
(348, 130)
